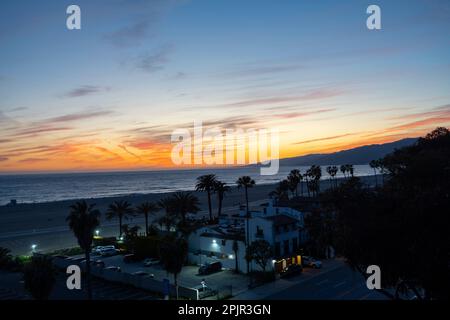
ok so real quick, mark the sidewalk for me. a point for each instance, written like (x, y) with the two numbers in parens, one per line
(269, 289)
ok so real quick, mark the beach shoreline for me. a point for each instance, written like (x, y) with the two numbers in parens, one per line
(27, 223)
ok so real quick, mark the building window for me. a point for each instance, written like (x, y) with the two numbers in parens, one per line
(286, 246)
(294, 244)
(224, 242)
(286, 228)
(277, 229)
(259, 232)
(277, 249)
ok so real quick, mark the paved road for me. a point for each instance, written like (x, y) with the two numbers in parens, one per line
(338, 284)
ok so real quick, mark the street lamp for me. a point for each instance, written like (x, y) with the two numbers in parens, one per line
(33, 247)
(97, 232)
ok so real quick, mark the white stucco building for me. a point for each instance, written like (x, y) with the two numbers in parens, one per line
(281, 227)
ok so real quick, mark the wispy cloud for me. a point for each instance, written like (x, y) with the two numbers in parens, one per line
(78, 116)
(261, 70)
(316, 94)
(33, 160)
(144, 16)
(129, 35)
(124, 148)
(154, 61)
(34, 131)
(85, 90)
(326, 138)
(3, 159)
(437, 111)
(53, 124)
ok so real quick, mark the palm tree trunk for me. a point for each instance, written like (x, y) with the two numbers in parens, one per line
(88, 273)
(146, 224)
(219, 209)
(376, 179)
(209, 206)
(236, 262)
(120, 226)
(176, 284)
(247, 238)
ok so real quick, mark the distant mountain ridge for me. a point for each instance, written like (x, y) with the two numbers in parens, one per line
(356, 156)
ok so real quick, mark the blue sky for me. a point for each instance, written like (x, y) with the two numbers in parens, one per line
(138, 69)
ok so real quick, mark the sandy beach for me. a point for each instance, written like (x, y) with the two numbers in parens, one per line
(44, 223)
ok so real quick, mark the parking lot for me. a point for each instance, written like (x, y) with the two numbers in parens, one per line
(188, 277)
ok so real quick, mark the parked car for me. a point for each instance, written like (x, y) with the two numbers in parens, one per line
(209, 268)
(141, 273)
(292, 270)
(151, 262)
(109, 252)
(204, 291)
(98, 263)
(99, 249)
(128, 258)
(113, 268)
(308, 261)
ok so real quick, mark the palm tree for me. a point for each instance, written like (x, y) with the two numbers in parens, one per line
(294, 179)
(235, 250)
(39, 277)
(281, 191)
(169, 219)
(307, 175)
(173, 253)
(246, 182)
(83, 219)
(147, 208)
(332, 171)
(184, 203)
(206, 183)
(374, 165)
(350, 169)
(120, 209)
(344, 170)
(220, 188)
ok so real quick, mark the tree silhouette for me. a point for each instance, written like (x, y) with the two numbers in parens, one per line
(246, 182)
(39, 277)
(121, 210)
(147, 209)
(173, 253)
(83, 219)
(206, 183)
(221, 188)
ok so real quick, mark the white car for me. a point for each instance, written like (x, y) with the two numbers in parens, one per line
(151, 262)
(99, 249)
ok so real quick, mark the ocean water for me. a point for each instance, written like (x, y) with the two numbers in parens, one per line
(32, 188)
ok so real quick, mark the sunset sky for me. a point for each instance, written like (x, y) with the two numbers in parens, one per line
(108, 96)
